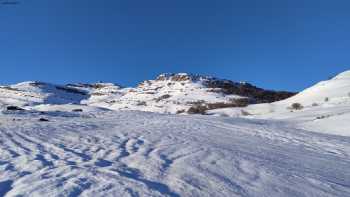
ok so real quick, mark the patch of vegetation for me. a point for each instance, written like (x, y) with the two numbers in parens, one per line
(296, 106)
(322, 117)
(197, 109)
(200, 107)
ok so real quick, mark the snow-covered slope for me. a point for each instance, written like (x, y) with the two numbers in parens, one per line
(169, 93)
(176, 93)
(333, 91)
(166, 94)
(110, 153)
(67, 143)
(33, 93)
(325, 107)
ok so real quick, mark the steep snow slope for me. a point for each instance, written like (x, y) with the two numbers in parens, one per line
(106, 153)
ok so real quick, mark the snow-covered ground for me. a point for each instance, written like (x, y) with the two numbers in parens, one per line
(107, 153)
(325, 108)
(79, 140)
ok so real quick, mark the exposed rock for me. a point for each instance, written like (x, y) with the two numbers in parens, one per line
(14, 108)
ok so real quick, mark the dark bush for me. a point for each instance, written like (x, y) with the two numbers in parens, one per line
(245, 89)
(197, 109)
(242, 102)
(297, 106)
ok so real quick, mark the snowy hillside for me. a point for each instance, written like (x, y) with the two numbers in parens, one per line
(168, 93)
(34, 93)
(177, 93)
(325, 107)
(333, 91)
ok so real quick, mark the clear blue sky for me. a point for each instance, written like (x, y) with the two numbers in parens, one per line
(276, 44)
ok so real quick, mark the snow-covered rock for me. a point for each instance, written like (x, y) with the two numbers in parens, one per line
(177, 93)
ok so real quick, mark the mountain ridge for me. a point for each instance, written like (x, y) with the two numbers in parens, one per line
(167, 93)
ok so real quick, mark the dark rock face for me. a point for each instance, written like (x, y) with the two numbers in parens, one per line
(258, 95)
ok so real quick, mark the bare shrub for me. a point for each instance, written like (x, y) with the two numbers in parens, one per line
(323, 117)
(242, 102)
(296, 106)
(197, 109)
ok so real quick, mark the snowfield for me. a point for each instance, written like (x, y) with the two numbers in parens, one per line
(108, 153)
(85, 140)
